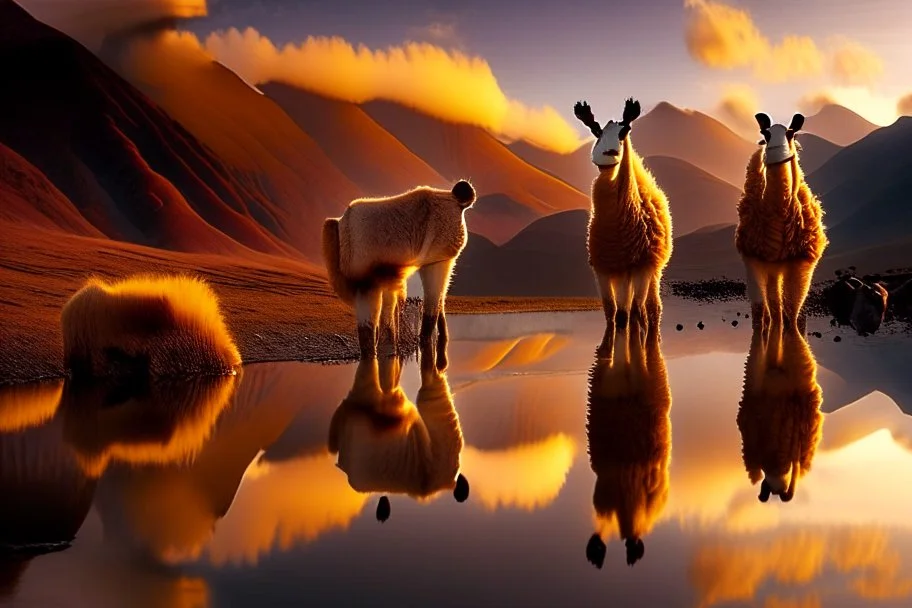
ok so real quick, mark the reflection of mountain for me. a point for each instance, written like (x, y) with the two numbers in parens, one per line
(386, 443)
(46, 495)
(160, 423)
(779, 415)
(629, 433)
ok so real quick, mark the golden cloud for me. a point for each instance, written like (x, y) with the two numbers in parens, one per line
(738, 106)
(446, 84)
(725, 37)
(904, 105)
(854, 65)
(814, 102)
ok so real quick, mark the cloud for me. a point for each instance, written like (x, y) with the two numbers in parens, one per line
(814, 102)
(90, 21)
(442, 33)
(725, 37)
(904, 105)
(447, 84)
(738, 106)
(854, 65)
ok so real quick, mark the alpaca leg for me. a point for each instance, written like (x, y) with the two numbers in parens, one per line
(435, 279)
(774, 294)
(796, 283)
(756, 293)
(640, 285)
(609, 304)
(389, 321)
(367, 308)
(623, 295)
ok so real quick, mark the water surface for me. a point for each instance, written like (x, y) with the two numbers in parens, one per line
(263, 489)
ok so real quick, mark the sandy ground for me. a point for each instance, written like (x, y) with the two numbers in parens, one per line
(277, 309)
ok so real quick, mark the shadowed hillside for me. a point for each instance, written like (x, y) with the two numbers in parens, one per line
(815, 151)
(465, 151)
(129, 169)
(28, 198)
(866, 189)
(838, 124)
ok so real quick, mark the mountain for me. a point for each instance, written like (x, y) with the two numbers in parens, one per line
(694, 137)
(498, 217)
(368, 155)
(27, 197)
(466, 151)
(838, 125)
(865, 189)
(131, 171)
(575, 168)
(259, 143)
(696, 198)
(815, 151)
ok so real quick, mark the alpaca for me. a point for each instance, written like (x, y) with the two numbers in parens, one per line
(385, 443)
(158, 423)
(780, 234)
(168, 326)
(779, 415)
(629, 234)
(377, 244)
(629, 433)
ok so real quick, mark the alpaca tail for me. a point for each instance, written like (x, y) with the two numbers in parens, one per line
(331, 253)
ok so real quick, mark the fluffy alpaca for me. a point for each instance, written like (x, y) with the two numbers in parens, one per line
(153, 423)
(629, 236)
(168, 326)
(385, 443)
(378, 243)
(779, 415)
(629, 433)
(780, 233)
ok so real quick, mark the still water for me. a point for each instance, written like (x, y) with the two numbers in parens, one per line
(264, 490)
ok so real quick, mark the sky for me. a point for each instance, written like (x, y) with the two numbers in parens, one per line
(522, 65)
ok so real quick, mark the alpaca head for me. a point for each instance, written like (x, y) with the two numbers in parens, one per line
(608, 150)
(778, 139)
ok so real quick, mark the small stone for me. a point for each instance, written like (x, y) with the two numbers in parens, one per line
(738, 313)
(679, 327)
(734, 324)
(837, 339)
(700, 326)
(747, 316)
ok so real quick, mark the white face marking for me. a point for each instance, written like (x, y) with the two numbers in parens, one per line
(779, 148)
(603, 152)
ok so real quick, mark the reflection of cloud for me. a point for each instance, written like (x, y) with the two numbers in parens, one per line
(737, 569)
(527, 476)
(517, 352)
(28, 405)
(725, 37)
(282, 505)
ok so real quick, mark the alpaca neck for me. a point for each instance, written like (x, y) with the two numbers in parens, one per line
(781, 186)
(614, 190)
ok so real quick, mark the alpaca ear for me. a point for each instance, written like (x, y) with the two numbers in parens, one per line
(631, 111)
(797, 123)
(584, 114)
(763, 120)
(765, 491)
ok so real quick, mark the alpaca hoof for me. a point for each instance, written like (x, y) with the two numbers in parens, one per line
(595, 551)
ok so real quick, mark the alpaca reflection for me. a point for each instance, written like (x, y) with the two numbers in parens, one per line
(779, 416)
(44, 495)
(142, 423)
(629, 433)
(385, 443)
